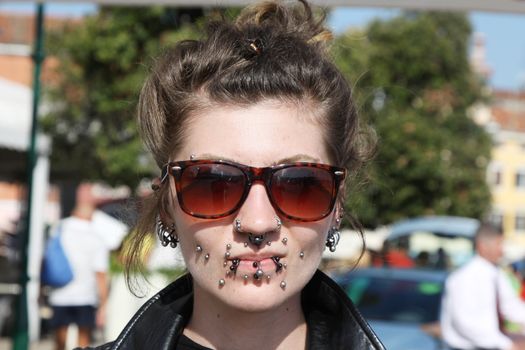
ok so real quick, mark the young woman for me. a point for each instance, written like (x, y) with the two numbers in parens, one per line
(255, 133)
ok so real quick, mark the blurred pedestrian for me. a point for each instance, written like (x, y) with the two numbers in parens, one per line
(478, 296)
(83, 300)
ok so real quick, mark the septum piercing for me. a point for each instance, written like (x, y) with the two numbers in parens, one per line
(257, 240)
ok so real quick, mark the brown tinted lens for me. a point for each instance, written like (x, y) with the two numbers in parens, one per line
(209, 190)
(303, 192)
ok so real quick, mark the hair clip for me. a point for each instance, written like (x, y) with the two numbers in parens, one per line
(256, 46)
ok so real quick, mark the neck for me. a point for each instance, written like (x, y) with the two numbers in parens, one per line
(83, 211)
(219, 326)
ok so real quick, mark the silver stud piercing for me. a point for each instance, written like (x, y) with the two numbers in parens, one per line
(192, 157)
(228, 246)
(207, 256)
(245, 277)
(284, 240)
(256, 240)
(166, 235)
(301, 255)
(237, 225)
(227, 255)
(245, 244)
(333, 238)
(283, 284)
(198, 249)
(222, 282)
(258, 274)
(279, 223)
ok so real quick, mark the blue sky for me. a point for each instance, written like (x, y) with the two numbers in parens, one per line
(505, 44)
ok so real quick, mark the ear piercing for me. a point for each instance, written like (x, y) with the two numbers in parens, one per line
(167, 235)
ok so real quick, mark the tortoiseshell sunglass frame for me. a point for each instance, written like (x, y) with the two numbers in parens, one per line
(252, 174)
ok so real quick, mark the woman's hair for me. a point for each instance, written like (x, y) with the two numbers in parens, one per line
(272, 51)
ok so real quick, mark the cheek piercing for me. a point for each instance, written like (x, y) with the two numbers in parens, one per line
(228, 246)
(245, 277)
(227, 254)
(282, 284)
(301, 255)
(207, 256)
(222, 282)
(198, 249)
(284, 240)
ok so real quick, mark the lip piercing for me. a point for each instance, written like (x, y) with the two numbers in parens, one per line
(278, 265)
(268, 243)
(228, 246)
(227, 254)
(283, 284)
(198, 249)
(301, 255)
(235, 265)
(222, 282)
(258, 274)
(245, 277)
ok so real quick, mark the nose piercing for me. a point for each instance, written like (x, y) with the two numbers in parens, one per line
(257, 240)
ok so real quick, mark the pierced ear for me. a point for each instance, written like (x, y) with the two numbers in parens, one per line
(338, 215)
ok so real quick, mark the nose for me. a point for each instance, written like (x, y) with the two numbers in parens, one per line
(257, 215)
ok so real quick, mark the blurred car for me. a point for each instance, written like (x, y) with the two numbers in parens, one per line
(401, 305)
(446, 241)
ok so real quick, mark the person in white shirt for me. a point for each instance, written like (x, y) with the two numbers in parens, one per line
(477, 295)
(83, 300)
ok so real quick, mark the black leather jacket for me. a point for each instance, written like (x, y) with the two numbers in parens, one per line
(333, 322)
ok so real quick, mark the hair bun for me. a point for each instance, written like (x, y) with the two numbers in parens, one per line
(297, 20)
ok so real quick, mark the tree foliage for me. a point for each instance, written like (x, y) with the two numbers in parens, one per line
(91, 107)
(413, 83)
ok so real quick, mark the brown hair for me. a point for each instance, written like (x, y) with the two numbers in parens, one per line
(272, 51)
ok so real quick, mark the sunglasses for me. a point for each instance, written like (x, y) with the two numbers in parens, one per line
(212, 189)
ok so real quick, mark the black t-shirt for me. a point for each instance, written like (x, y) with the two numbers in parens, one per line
(186, 343)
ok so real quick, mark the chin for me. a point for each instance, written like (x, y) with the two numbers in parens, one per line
(253, 297)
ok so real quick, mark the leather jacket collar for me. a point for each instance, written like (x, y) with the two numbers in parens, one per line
(333, 321)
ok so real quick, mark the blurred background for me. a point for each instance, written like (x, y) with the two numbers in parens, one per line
(443, 86)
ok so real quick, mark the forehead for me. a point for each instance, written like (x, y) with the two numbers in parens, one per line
(259, 135)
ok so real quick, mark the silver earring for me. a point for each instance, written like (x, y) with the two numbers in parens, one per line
(333, 238)
(167, 235)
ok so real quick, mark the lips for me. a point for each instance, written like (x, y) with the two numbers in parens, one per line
(251, 263)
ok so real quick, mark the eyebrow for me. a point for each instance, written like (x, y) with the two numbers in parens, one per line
(291, 159)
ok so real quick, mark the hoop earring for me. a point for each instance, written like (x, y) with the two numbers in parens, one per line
(167, 235)
(333, 238)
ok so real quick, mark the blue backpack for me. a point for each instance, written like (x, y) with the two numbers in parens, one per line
(56, 271)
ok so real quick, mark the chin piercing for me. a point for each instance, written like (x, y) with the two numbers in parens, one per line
(282, 284)
(225, 264)
(198, 249)
(258, 274)
(207, 256)
(301, 255)
(245, 277)
(222, 282)
(284, 240)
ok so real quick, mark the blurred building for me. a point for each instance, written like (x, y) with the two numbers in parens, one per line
(504, 118)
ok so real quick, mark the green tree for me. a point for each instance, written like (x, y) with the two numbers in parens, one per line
(91, 106)
(413, 83)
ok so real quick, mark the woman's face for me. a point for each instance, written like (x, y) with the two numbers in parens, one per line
(265, 134)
